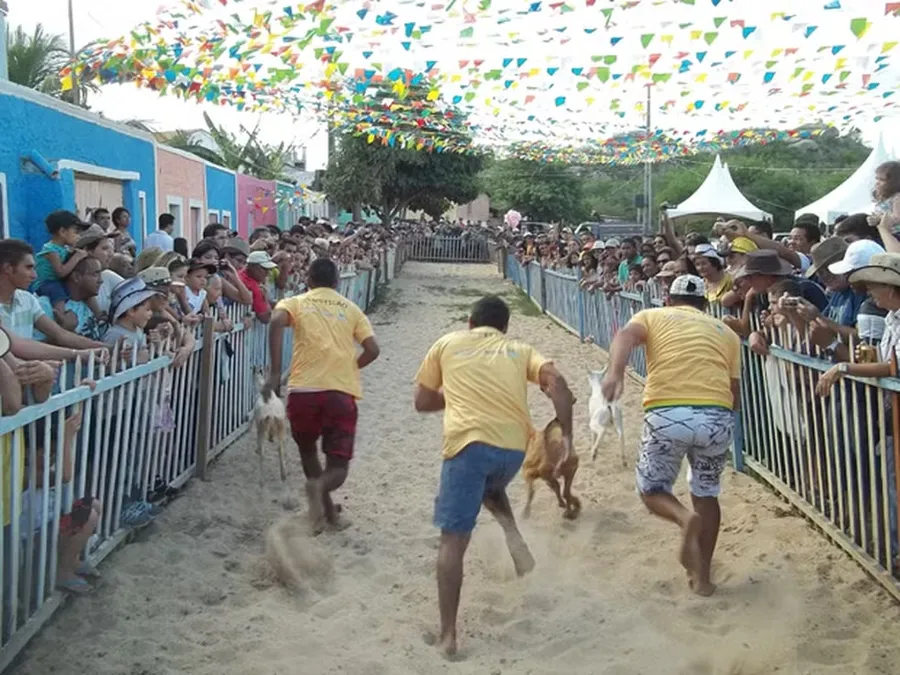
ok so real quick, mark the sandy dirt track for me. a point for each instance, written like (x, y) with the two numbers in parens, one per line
(195, 595)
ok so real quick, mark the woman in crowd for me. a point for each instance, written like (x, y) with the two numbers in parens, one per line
(207, 253)
(99, 245)
(121, 221)
(711, 267)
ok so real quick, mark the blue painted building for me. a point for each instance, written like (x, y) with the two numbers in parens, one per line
(57, 156)
(221, 196)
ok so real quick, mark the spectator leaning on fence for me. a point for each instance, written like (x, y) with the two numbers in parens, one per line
(99, 245)
(254, 276)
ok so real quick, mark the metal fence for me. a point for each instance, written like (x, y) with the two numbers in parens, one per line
(831, 457)
(449, 249)
(146, 430)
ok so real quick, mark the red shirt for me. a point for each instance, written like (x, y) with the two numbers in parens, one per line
(260, 303)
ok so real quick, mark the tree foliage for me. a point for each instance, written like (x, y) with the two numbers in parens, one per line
(388, 179)
(35, 60)
(251, 156)
(539, 191)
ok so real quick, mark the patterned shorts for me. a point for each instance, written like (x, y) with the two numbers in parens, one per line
(702, 434)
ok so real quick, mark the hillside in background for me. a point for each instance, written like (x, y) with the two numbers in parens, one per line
(779, 178)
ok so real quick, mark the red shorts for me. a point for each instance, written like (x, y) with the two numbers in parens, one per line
(330, 415)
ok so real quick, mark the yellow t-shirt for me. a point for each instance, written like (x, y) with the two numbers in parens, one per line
(485, 377)
(717, 293)
(327, 328)
(691, 358)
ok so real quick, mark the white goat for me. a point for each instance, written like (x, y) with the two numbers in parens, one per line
(603, 414)
(270, 420)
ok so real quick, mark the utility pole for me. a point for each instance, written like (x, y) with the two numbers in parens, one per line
(648, 173)
(4, 65)
(76, 93)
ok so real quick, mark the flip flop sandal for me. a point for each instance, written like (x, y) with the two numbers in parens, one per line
(76, 586)
(85, 569)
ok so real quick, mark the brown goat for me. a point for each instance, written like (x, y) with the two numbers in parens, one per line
(545, 457)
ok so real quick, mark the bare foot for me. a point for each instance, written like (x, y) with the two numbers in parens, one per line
(690, 556)
(316, 507)
(702, 589)
(523, 561)
(447, 646)
(338, 524)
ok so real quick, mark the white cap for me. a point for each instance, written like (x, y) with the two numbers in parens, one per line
(707, 251)
(597, 245)
(612, 243)
(688, 284)
(857, 255)
(262, 259)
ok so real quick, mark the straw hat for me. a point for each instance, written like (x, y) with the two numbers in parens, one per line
(825, 253)
(884, 268)
(764, 263)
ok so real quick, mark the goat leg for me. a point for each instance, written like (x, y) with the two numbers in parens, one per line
(281, 452)
(573, 504)
(596, 446)
(260, 440)
(530, 495)
(554, 485)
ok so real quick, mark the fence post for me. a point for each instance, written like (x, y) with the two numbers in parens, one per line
(527, 269)
(737, 453)
(580, 293)
(204, 403)
(543, 290)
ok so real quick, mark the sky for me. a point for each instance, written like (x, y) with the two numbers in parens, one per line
(551, 40)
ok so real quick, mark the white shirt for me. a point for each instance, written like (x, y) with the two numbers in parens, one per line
(891, 338)
(161, 239)
(195, 300)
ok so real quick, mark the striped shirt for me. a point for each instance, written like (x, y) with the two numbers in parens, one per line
(19, 316)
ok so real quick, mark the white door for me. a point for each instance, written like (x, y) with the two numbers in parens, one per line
(92, 192)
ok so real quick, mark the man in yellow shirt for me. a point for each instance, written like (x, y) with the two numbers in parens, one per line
(692, 390)
(479, 378)
(324, 382)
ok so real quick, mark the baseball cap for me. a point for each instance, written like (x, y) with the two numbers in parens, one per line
(688, 284)
(743, 245)
(613, 243)
(858, 254)
(598, 245)
(237, 245)
(262, 259)
(92, 235)
(321, 243)
(670, 269)
(195, 264)
(63, 220)
(707, 251)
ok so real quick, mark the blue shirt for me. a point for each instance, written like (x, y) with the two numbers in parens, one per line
(42, 265)
(843, 307)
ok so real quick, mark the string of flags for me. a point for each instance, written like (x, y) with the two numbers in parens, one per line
(551, 79)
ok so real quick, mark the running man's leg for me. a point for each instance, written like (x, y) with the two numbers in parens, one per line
(339, 416)
(462, 488)
(305, 416)
(665, 435)
(714, 430)
(508, 463)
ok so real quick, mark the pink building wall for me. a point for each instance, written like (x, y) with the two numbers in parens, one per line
(179, 177)
(256, 198)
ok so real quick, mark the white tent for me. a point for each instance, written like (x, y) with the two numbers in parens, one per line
(854, 195)
(718, 196)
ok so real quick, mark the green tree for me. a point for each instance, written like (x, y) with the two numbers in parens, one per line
(35, 61)
(540, 191)
(251, 157)
(389, 180)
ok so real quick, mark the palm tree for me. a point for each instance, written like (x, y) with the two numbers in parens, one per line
(35, 61)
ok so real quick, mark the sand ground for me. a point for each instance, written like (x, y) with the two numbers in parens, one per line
(195, 595)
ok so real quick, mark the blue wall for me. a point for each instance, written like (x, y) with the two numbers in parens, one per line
(45, 128)
(221, 193)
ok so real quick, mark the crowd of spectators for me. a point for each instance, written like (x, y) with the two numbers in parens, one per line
(825, 290)
(89, 303)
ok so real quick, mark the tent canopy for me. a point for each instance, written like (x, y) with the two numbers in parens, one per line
(718, 195)
(854, 195)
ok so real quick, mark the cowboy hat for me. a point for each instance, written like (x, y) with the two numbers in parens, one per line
(883, 268)
(764, 263)
(824, 253)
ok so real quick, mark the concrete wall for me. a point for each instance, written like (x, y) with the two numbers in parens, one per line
(256, 202)
(54, 131)
(477, 210)
(180, 176)
(221, 194)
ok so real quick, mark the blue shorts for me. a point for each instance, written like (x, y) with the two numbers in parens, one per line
(55, 290)
(479, 469)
